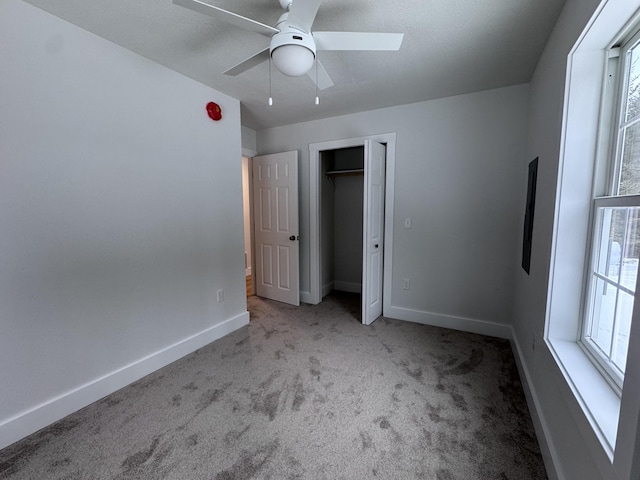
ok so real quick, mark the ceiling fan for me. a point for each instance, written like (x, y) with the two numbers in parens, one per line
(293, 45)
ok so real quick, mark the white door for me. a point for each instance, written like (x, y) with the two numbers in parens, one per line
(373, 230)
(275, 204)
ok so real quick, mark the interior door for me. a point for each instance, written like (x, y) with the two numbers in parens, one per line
(275, 197)
(373, 230)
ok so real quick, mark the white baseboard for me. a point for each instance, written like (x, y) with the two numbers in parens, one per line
(548, 450)
(482, 327)
(32, 420)
(348, 286)
(327, 288)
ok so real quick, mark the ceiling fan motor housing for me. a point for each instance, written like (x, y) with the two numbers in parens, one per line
(293, 51)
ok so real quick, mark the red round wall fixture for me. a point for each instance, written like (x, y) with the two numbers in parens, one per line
(214, 111)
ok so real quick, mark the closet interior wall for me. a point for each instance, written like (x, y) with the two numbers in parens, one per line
(342, 219)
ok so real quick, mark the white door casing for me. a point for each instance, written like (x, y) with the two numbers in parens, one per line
(373, 231)
(275, 197)
(314, 294)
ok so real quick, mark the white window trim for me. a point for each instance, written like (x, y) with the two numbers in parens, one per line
(597, 400)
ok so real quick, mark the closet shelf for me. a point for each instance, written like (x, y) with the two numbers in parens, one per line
(355, 171)
(332, 173)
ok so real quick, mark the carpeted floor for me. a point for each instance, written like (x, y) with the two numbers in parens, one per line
(305, 393)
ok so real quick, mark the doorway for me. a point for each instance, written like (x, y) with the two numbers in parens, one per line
(330, 164)
(271, 232)
(276, 232)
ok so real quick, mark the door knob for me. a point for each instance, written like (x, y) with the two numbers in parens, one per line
(292, 237)
(376, 245)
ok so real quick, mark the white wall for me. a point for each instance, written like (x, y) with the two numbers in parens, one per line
(120, 217)
(249, 147)
(458, 165)
(572, 445)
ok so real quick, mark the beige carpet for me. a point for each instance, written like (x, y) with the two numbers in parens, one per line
(305, 393)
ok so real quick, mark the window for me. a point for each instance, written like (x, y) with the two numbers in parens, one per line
(615, 237)
(593, 250)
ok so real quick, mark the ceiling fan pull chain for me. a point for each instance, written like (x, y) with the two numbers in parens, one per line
(270, 97)
(317, 97)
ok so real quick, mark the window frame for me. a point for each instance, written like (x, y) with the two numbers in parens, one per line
(608, 423)
(607, 174)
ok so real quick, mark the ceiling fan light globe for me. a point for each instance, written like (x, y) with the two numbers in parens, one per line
(293, 60)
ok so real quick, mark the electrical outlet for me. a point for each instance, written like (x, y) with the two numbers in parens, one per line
(533, 342)
(220, 295)
(405, 284)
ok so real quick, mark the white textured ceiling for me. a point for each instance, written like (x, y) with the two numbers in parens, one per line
(450, 47)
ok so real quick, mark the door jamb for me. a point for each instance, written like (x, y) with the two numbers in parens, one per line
(314, 296)
(249, 154)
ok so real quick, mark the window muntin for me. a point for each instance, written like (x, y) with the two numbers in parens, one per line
(613, 284)
(616, 226)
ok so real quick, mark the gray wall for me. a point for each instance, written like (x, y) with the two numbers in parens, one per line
(328, 220)
(573, 444)
(120, 217)
(458, 170)
(347, 230)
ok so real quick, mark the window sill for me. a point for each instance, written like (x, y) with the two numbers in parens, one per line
(598, 400)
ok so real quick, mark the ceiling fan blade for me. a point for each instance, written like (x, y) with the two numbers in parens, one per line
(250, 62)
(357, 41)
(324, 80)
(302, 13)
(226, 16)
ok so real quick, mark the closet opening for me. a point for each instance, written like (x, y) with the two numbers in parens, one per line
(337, 215)
(342, 203)
(351, 207)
